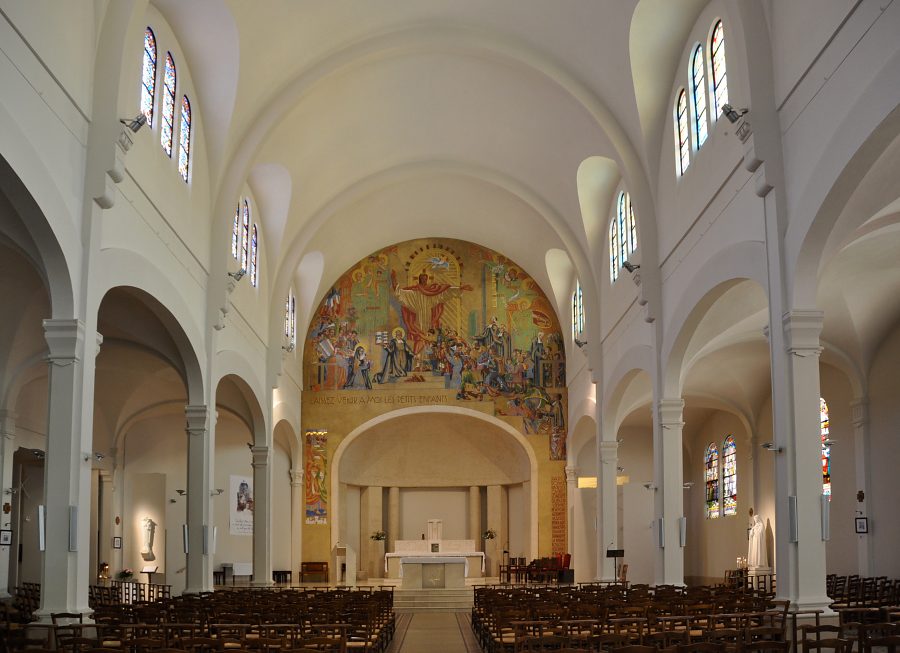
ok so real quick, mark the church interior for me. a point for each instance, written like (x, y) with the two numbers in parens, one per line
(466, 293)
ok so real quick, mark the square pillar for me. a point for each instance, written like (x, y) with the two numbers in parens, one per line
(669, 491)
(297, 500)
(607, 508)
(370, 520)
(198, 575)
(262, 517)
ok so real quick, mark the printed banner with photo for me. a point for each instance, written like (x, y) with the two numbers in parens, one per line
(241, 506)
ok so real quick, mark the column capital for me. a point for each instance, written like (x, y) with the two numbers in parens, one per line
(571, 473)
(197, 417)
(670, 413)
(801, 332)
(859, 412)
(105, 475)
(296, 477)
(260, 456)
(609, 450)
(64, 340)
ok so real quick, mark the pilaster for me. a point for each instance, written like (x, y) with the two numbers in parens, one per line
(393, 529)
(608, 503)
(669, 491)
(7, 449)
(297, 500)
(199, 560)
(262, 517)
(859, 418)
(571, 487)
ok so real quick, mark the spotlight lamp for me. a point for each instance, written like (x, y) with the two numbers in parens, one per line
(181, 492)
(217, 492)
(649, 486)
(580, 343)
(237, 276)
(134, 124)
(733, 114)
(631, 267)
(771, 446)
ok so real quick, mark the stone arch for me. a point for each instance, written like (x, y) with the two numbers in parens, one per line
(234, 368)
(636, 360)
(435, 411)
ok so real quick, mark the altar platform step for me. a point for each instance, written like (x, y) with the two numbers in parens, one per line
(458, 599)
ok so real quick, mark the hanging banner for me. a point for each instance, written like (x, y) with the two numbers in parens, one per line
(315, 475)
(241, 505)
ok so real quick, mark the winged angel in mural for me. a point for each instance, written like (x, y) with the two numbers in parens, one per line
(466, 320)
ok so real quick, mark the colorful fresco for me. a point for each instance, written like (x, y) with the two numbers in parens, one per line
(449, 316)
(315, 475)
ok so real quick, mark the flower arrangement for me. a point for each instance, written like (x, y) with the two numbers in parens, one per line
(125, 574)
(489, 534)
(378, 536)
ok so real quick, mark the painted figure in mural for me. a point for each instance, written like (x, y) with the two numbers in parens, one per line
(398, 358)
(423, 304)
(557, 412)
(244, 497)
(358, 367)
(538, 351)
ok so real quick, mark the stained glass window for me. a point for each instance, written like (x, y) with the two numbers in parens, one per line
(698, 96)
(711, 474)
(621, 213)
(290, 319)
(148, 76)
(254, 259)
(184, 139)
(613, 250)
(293, 320)
(245, 238)
(826, 447)
(577, 310)
(729, 475)
(168, 106)
(719, 72)
(631, 225)
(682, 136)
(236, 233)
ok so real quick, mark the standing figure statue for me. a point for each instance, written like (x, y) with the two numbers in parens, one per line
(147, 548)
(756, 553)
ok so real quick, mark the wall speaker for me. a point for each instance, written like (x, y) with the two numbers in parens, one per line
(73, 528)
(794, 536)
(826, 518)
(184, 537)
(661, 531)
(682, 531)
(42, 533)
(205, 539)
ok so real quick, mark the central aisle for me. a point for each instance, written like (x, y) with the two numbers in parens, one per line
(434, 632)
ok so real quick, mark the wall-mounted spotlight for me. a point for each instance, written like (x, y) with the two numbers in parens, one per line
(771, 446)
(237, 276)
(687, 485)
(733, 114)
(631, 267)
(134, 124)
(580, 343)
(288, 347)
(181, 493)
(828, 442)
(217, 492)
(620, 469)
(649, 486)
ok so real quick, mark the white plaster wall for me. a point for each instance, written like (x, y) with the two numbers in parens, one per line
(417, 506)
(232, 459)
(884, 416)
(636, 536)
(145, 497)
(584, 557)
(281, 508)
(517, 527)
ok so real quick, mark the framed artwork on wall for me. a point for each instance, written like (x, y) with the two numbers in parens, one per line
(5, 537)
(117, 542)
(862, 524)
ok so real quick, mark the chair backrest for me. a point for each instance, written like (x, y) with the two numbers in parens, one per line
(567, 560)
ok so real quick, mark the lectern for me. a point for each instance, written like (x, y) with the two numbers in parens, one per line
(343, 565)
(615, 554)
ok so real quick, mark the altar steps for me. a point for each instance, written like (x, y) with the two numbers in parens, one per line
(458, 599)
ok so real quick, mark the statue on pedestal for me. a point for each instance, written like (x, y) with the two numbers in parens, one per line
(756, 552)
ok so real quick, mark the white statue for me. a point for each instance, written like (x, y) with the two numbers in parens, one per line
(147, 548)
(756, 553)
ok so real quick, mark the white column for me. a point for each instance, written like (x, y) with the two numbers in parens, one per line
(800, 565)
(496, 520)
(199, 484)
(370, 513)
(7, 449)
(393, 529)
(669, 489)
(475, 516)
(65, 573)
(297, 500)
(859, 417)
(608, 508)
(571, 486)
(262, 518)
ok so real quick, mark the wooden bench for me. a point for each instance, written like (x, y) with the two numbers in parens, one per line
(318, 569)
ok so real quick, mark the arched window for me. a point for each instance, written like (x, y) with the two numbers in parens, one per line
(698, 96)
(236, 233)
(148, 76)
(719, 73)
(682, 135)
(729, 475)
(184, 139)
(245, 237)
(711, 474)
(577, 311)
(631, 226)
(621, 216)
(254, 259)
(826, 447)
(168, 106)
(613, 250)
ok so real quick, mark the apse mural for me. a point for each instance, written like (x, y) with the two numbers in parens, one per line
(445, 316)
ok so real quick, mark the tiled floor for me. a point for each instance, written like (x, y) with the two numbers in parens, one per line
(434, 632)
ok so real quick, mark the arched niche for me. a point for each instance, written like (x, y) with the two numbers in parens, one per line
(435, 448)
